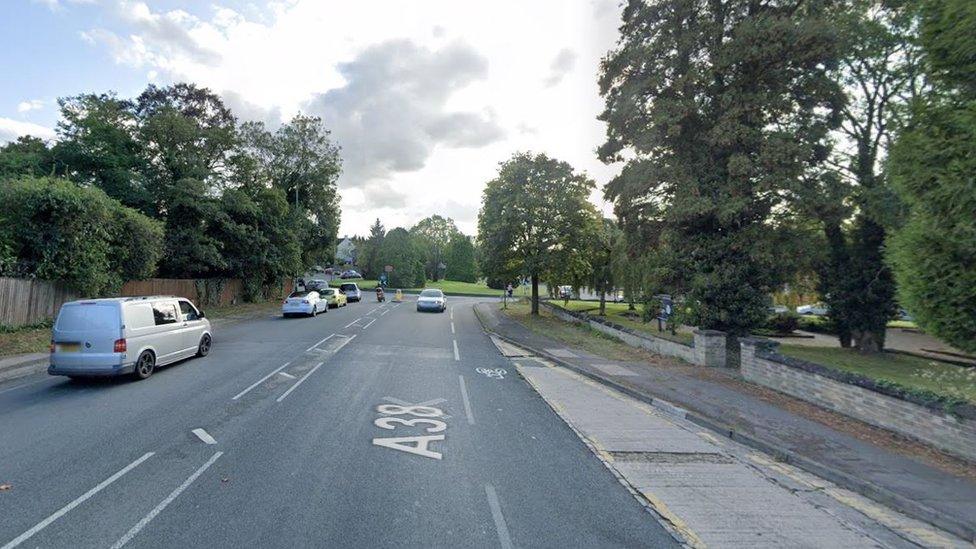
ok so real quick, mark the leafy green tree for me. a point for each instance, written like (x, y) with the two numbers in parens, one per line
(601, 276)
(932, 167)
(401, 250)
(300, 159)
(369, 260)
(717, 108)
(535, 220)
(27, 155)
(434, 233)
(460, 259)
(97, 145)
(58, 231)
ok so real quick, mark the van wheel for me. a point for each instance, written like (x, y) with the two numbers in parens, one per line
(145, 365)
(205, 344)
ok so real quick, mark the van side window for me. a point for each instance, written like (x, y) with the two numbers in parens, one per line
(164, 313)
(139, 315)
(188, 310)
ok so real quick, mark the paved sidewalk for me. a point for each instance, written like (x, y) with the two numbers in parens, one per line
(896, 480)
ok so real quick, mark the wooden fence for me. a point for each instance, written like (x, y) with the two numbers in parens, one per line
(27, 301)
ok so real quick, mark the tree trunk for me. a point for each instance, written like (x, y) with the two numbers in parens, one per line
(868, 341)
(535, 294)
(603, 303)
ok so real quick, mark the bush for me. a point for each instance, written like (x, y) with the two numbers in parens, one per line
(55, 230)
(782, 323)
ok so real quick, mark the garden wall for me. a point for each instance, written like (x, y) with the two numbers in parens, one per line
(949, 428)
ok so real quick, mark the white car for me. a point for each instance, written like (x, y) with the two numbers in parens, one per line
(817, 310)
(431, 300)
(126, 335)
(307, 303)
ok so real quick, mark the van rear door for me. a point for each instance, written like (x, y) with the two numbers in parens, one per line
(86, 328)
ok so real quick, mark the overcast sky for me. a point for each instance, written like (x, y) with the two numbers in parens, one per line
(424, 97)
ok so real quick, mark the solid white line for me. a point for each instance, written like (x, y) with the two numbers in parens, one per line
(262, 380)
(204, 436)
(60, 512)
(321, 341)
(496, 513)
(163, 504)
(353, 322)
(386, 311)
(464, 399)
(369, 323)
(452, 327)
(299, 382)
(456, 355)
(286, 374)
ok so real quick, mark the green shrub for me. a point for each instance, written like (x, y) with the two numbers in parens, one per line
(783, 323)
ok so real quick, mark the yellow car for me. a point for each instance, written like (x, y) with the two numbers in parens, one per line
(334, 297)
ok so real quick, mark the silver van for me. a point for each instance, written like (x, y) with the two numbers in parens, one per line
(123, 335)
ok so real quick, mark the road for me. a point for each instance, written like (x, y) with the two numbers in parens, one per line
(370, 426)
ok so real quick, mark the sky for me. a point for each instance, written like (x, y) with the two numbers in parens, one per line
(425, 98)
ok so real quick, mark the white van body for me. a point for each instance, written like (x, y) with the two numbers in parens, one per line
(104, 337)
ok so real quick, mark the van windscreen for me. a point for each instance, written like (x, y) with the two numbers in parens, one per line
(88, 316)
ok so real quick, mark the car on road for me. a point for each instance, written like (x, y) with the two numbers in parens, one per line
(316, 284)
(352, 291)
(304, 302)
(126, 335)
(818, 309)
(431, 300)
(351, 273)
(334, 297)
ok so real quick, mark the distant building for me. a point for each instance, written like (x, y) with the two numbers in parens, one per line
(346, 251)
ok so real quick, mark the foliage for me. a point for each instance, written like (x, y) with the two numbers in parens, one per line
(782, 323)
(460, 259)
(369, 258)
(80, 236)
(932, 165)
(434, 233)
(720, 107)
(400, 249)
(536, 221)
(27, 155)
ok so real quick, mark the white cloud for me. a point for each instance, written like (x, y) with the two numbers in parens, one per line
(11, 129)
(424, 98)
(563, 63)
(57, 5)
(30, 105)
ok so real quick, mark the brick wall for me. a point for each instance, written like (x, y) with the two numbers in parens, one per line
(955, 434)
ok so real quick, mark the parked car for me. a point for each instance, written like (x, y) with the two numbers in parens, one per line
(305, 302)
(316, 284)
(351, 290)
(779, 309)
(334, 298)
(431, 300)
(126, 335)
(818, 309)
(350, 274)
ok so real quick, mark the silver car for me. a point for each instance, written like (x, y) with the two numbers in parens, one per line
(126, 335)
(432, 300)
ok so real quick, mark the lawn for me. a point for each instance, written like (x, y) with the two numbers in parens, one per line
(617, 313)
(814, 323)
(577, 335)
(907, 371)
(448, 286)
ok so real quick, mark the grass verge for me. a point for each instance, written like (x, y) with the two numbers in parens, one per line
(619, 313)
(909, 372)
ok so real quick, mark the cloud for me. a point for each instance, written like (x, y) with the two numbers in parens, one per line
(11, 129)
(56, 5)
(392, 111)
(30, 105)
(563, 63)
(161, 39)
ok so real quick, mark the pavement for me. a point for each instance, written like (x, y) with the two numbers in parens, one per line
(370, 426)
(895, 480)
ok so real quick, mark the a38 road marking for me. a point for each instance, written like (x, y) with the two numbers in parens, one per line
(428, 416)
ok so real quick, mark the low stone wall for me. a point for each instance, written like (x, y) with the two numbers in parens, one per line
(953, 431)
(708, 349)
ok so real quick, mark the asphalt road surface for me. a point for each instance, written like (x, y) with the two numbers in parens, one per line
(370, 426)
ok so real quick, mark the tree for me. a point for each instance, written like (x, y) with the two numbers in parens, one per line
(300, 159)
(433, 234)
(932, 167)
(370, 257)
(400, 249)
(28, 156)
(602, 250)
(717, 108)
(534, 220)
(460, 259)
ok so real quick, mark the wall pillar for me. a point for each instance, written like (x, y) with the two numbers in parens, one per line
(710, 348)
